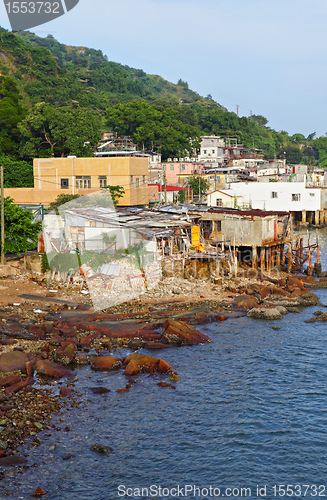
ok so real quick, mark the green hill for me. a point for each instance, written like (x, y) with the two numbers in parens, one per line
(47, 71)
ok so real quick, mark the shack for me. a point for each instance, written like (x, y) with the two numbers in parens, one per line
(257, 237)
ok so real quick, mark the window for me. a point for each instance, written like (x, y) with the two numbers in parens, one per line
(296, 197)
(143, 179)
(64, 183)
(164, 167)
(213, 151)
(171, 167)
(218, 178)
(83, 181)
(204, 151)
(137, 182)
(274, 194)
(102, 181)
(313, 194)
(132, 179)
(183, 167)
(219, 202)
(218, 226)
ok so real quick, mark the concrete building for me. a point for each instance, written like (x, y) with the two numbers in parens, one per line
(212, 149)
(83, 176)
(307, 205)
(223, 198)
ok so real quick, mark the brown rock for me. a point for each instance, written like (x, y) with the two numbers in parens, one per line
(65, 354)
(179, 333)
(106, 363)
(122, 390)
(156, 345)
(12, 460)
(39, 492)
(265, 291)
(52, 369)
(244, 302)
(164, 384)
(20, 385)
(86, 341)
(66, 391)
(82, 359)
(14, 360)
(101, 390)
(30, 368)
(138, 363)
(281, 291)
(10, 380)
(298, 283)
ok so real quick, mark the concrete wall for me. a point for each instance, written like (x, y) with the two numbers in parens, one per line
(226, 199)
(259, 195)
(118, 171)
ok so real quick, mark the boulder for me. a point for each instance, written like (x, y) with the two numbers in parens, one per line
(14, 360)
(66, 392)
(295, 282)
(20, 385)
(82, 359)
(269, 313)
(52, 369)
(244, 302)
(305, 298)
(265, 291)
(9, 380)
(179, 333)
(106, 363)
(65, 354)
(282, 309)
(138, 363)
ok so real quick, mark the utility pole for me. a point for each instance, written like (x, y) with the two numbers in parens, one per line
(237, 106)
(165, 187)
(2, 221)
(199, 188)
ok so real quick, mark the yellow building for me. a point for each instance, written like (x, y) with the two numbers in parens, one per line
(71, 175)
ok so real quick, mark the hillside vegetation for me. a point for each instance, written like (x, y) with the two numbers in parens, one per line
(44, 81)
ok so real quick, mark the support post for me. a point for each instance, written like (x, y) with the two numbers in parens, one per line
(262, 258)
(2, 221)
(289, 263)
(254, 257)
(317, 218)
(304, 216)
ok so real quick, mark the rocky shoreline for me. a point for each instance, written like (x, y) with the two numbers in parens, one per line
(42, 342)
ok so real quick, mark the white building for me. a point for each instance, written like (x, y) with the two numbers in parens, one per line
(284, 196)
(212, 149)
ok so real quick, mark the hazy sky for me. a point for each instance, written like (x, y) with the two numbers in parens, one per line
(267, 56)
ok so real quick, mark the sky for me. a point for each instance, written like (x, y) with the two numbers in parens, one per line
(266, 56)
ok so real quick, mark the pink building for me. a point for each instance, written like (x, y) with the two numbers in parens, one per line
(174, 169)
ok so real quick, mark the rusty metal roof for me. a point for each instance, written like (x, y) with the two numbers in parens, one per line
(247, 213)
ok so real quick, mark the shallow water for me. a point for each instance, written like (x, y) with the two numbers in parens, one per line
(249, 409)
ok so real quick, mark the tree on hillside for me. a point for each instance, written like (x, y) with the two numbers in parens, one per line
(20, 231)
(16, 173)
(64, 131)
(11, 113)
(152, 126)
(320, 147)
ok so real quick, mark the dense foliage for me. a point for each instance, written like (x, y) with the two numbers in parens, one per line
(21, 234)
(48, 131)
(55, 98)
